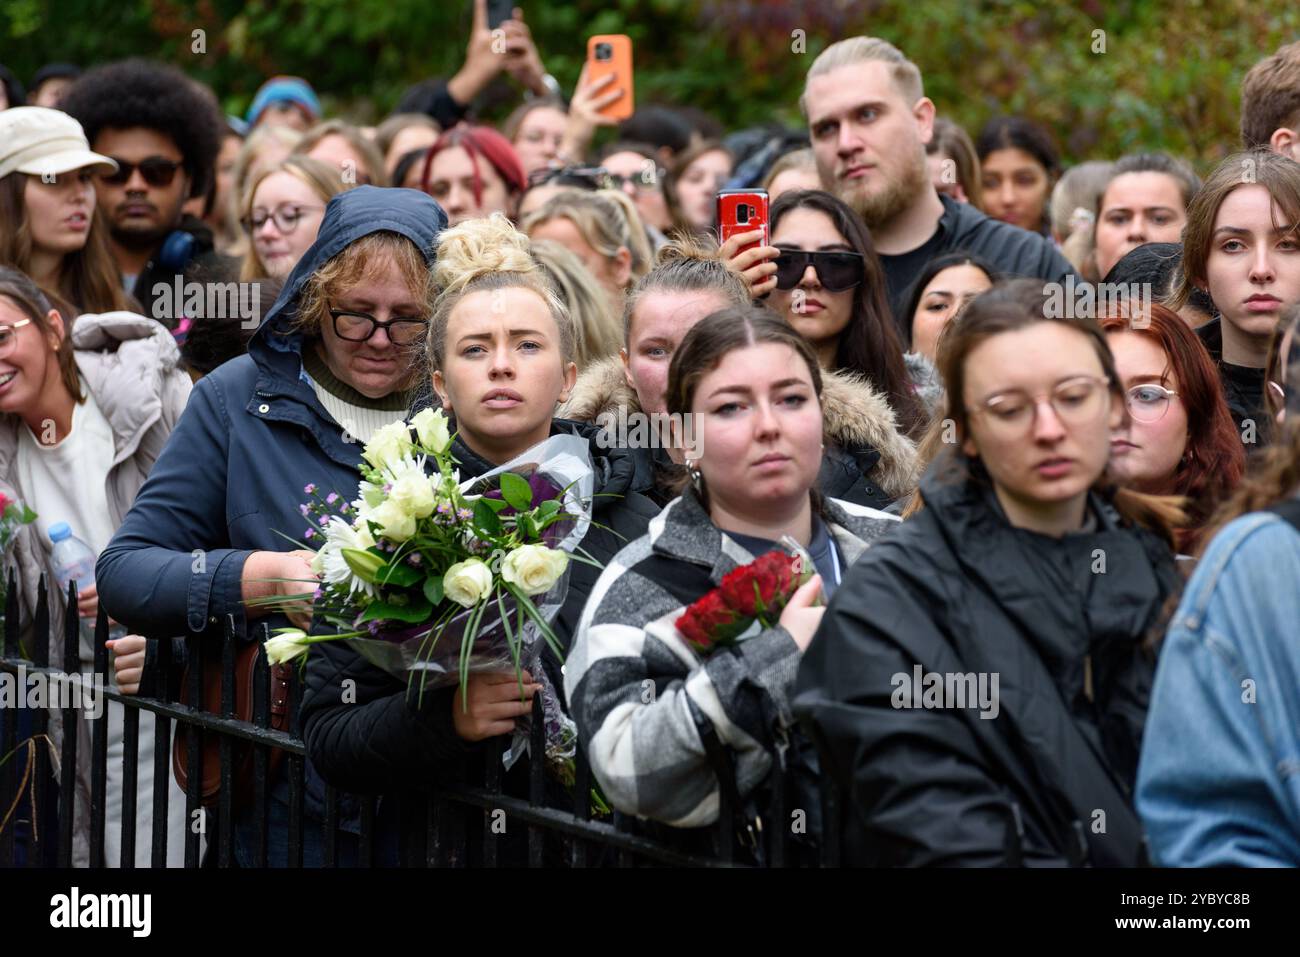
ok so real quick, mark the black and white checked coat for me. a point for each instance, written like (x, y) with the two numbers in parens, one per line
(629, 671)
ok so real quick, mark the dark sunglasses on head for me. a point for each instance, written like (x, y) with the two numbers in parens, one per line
(836, 271)
(155, 170)
(582, 177)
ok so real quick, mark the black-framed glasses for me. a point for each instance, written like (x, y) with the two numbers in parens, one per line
(156, 170)
(836, 271)
(1148, 402)
(285, 218)
(360, 326)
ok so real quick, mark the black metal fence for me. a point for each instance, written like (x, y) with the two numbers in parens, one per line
(454, 825)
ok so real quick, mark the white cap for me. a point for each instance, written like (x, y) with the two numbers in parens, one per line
(44, 142)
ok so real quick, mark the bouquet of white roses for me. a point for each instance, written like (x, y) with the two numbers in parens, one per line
(435, 579)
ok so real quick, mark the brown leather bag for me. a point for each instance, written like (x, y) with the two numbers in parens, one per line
(242, 752)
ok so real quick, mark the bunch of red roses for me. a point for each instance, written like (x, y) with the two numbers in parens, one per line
(757, 592)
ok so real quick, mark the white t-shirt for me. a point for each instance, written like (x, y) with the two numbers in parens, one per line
(67, 482)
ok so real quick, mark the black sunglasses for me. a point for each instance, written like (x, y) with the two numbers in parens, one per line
(583, 177)
(155, 170)
(836, 271)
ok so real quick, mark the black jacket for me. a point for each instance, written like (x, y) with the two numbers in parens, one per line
(1243, 388)
(962, 227)
(958, 590)
(383, 738)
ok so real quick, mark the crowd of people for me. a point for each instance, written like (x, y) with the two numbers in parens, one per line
(1035, 425)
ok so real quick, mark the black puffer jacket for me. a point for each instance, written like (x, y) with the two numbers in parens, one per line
(384, 739)
(1059, 622)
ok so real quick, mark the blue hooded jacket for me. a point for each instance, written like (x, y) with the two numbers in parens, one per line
(230, 479)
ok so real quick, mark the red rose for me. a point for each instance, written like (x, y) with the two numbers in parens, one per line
(5, 502)
(707, 622)
(759, 587)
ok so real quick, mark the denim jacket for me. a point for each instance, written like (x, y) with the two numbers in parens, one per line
(1219, 779)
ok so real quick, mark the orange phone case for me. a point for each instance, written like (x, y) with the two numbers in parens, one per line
(619, 64)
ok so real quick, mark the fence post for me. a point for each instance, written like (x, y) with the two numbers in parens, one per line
(9, 726)
(261, 755)
(71, 727)
(194, 811)
(99, 755)
(536, 779)
(226, 799)
(162, 750)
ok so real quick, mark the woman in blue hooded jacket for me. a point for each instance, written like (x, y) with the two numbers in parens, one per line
(214, 526)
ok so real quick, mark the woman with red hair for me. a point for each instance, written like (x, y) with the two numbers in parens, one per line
(1180, 439)
(473, 171)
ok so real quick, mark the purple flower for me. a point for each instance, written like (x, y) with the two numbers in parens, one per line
(464, 515)
(316, 595)
(373, 628)
(304, 510)
(311, 533)
(309, 488)
(444, 508)
(541, 488)
(331, 498)
(414, 559)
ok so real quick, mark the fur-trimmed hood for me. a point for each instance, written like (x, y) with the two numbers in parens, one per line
(855, 416)
(602, 387)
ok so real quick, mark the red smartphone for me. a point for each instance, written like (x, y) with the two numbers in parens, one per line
(742, 211)
(612, 53)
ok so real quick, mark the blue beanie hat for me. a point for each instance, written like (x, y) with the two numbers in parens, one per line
(284, 89)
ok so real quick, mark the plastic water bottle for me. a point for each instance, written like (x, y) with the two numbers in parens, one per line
(74, 560)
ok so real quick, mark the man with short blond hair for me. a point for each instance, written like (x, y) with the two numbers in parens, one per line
(869, 121)
(1270, 103)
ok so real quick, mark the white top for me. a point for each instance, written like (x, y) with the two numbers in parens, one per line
(67, 482)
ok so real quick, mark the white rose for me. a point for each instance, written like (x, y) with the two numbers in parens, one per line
(388, 445)
(468, 582)
(395, 523)
(534, 568)
(431, 428)
(286, 646)
(414, 494)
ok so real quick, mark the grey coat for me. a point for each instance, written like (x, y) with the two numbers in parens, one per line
(131, 366)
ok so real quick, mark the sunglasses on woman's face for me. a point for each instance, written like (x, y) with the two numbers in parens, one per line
(155, 170)
(836, 271)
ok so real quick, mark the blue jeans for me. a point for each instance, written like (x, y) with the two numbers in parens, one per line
(277, 839)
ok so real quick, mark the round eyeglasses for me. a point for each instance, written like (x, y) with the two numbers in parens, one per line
(286, 218)
(1148, 402)
(9, 335)
(1078, 401)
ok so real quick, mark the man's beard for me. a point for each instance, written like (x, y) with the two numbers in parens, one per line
(138, 240)
(882, 207)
